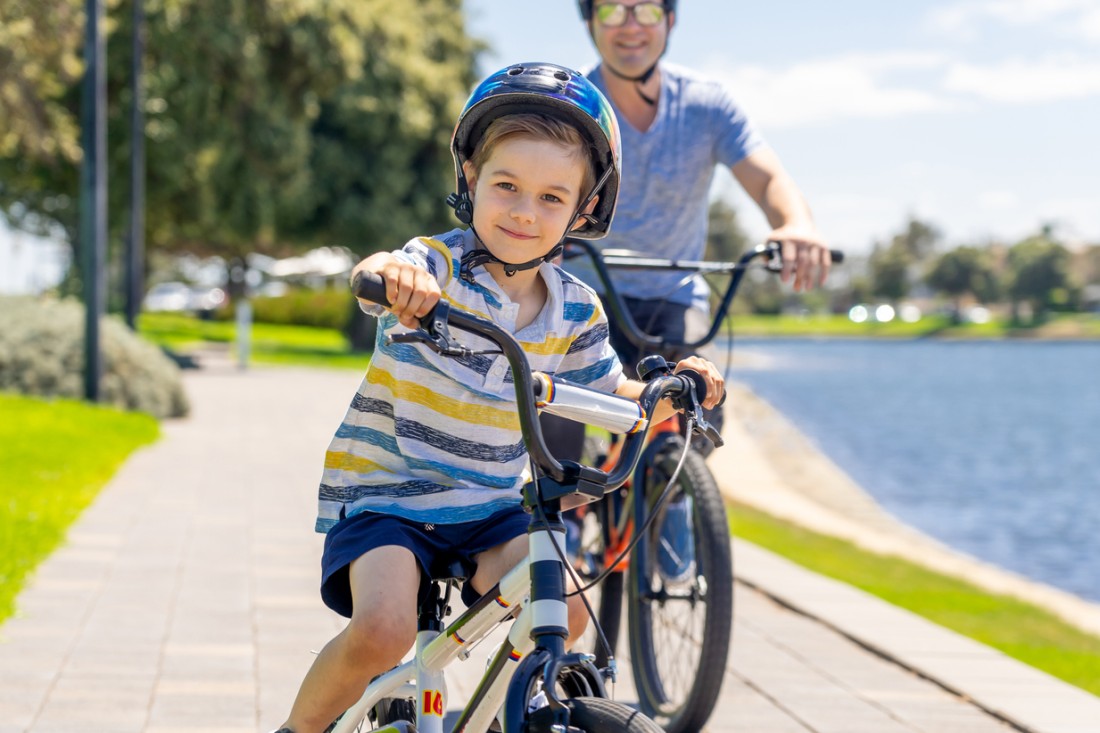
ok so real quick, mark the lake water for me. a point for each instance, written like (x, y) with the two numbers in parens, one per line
(991, 447)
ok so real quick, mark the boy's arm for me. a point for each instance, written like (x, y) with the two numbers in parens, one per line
(716, 386)
(411, 290)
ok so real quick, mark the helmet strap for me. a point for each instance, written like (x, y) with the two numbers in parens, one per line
(478, 257)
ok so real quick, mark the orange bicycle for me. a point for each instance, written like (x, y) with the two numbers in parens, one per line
(679, 576)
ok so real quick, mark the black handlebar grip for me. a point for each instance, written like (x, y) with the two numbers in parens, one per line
(700, 385)
(370, 286)
(837, 256)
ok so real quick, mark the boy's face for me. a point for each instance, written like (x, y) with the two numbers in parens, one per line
(524, 196)
(630, 48)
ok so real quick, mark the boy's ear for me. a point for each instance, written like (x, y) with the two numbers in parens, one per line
(587, 210)
(471, 176)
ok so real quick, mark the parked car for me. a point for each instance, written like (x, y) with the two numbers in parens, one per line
(180, 297)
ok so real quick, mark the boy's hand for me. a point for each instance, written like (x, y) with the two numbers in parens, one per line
(411, 290)
(716, 383)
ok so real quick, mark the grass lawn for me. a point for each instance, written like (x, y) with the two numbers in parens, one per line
(271, 344)
(1062, 326)
(56, 455)
(1018, 629)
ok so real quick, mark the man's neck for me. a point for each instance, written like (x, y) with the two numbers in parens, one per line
(631, 106)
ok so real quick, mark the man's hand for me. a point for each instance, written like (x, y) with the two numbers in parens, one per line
(805, 254)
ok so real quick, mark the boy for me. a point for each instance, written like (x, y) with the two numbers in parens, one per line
(429, 461)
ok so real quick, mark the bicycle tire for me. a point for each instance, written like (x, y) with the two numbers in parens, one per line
(596, 715)
(679, 674)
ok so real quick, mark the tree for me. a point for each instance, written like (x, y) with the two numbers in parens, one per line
(963, 271)
(40, 67)
(244, 103)
(726, 240)
(1039, 274)
(892, 266)
(890, 272)
(918, 241)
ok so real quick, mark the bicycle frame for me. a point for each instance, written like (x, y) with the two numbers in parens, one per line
(422, 679)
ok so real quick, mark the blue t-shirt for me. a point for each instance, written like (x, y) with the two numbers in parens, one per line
(667, 173)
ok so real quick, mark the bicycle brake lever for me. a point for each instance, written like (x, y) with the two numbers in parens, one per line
(689, 403)
(434, 333)
(708, 431)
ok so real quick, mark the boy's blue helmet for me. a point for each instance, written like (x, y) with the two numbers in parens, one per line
(555, 91)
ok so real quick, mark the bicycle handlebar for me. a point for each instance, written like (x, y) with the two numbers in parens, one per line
(625, 259)
(573, 401)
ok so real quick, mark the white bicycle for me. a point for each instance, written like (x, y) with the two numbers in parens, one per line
(532, 683)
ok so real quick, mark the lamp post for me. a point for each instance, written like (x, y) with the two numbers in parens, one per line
(135, 250)
(93, 192)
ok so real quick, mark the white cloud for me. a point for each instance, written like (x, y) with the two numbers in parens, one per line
(997, 200)
(1027, 82)
(1073, 17)
(1090, 25)
(822, 90)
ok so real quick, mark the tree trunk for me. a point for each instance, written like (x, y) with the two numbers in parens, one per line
(360, 329)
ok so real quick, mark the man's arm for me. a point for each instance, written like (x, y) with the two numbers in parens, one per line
(767, 182)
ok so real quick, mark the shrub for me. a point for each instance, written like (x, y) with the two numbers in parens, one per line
(42, 353)
(318, 308)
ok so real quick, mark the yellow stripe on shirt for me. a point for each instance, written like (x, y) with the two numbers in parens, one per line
(481, 415)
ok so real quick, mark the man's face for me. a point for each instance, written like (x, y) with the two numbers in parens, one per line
(630, 48)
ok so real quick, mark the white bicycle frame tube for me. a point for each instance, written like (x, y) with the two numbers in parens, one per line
(437, 650)
(582, 404)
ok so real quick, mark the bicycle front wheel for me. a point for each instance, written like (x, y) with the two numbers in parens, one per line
(598, 715)
(681, 592)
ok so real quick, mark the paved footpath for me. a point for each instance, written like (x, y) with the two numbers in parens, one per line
(185, 601)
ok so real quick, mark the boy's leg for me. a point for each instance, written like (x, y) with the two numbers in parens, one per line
(496, 561)
(384, 584)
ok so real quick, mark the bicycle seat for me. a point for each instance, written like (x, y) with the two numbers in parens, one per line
(444, 570)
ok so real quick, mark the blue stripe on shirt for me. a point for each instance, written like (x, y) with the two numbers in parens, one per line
(590, 373)
(388, 443)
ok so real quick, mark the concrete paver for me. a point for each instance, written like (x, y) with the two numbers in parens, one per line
(185, 600)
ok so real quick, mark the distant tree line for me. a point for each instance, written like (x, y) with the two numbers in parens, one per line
(1033, 277)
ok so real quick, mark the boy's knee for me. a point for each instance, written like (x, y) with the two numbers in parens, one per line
(380, 637)
(578, 617)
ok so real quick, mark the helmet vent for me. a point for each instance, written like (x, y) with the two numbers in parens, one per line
(515, 70)
(561, 76)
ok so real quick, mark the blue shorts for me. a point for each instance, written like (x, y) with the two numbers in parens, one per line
(431, 544)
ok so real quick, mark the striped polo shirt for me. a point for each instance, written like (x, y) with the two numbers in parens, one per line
(437, 439)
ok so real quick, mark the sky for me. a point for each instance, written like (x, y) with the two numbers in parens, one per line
(979, 116)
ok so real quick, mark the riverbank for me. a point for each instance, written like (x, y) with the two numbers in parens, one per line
(767, 463)
(1060, 327)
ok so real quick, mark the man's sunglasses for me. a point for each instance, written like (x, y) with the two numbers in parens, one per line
(614, 15)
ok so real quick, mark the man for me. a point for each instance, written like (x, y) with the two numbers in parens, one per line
(676, 127)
